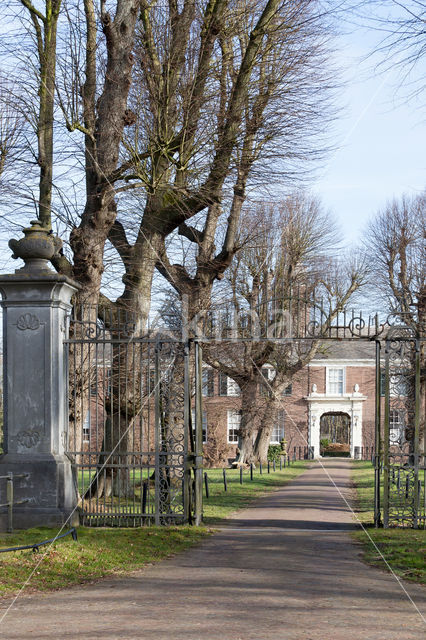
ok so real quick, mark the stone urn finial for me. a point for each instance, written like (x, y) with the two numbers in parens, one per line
(36, 249)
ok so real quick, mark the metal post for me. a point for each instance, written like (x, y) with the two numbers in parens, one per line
(9, 500)
(251, 471)
(225, 484)
(241, 475)
(386, 441)
(144, 496)
(206, 483)
(157, 427)
(377, 446)
(260, 468)
(416, 507)
(198, 437)
(273, 464)
(269, 470)
(187, 422)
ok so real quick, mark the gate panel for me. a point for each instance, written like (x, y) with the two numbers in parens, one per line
(130, 412)
(403, 461)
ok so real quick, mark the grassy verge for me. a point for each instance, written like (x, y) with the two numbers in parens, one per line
(104, 552)
(96, 554)
(403, 549)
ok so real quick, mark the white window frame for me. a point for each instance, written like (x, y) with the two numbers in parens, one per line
(396, 427)
(86, 426)
(278, 428)
(330, 382)
(233, 388)
(233, 424)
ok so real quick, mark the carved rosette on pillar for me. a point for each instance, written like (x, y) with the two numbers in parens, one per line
(36, 301)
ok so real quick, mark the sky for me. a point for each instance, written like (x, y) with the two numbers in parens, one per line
(380, 138)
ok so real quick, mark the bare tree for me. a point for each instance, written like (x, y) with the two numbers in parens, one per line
(395, 241)
(400, 26)
(289, 282)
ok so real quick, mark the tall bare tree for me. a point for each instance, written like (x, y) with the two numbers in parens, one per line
(395, 241)
(288, 282)
(400, 46)
(396, 245)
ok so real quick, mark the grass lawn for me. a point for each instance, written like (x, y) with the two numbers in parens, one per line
(101, 552)
(403, 549)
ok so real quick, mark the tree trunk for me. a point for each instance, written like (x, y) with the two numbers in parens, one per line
(266, 426)
(248, 426)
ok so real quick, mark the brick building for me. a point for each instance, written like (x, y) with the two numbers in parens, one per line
(333, 397)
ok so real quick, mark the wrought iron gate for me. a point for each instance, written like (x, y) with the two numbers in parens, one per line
(400, 499)
(135, 453)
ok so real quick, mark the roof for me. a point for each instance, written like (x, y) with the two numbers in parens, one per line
(347, 350)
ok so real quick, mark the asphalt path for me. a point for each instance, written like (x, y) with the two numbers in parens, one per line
(283, 569)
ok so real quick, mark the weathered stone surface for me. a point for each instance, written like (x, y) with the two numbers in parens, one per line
(35, 307)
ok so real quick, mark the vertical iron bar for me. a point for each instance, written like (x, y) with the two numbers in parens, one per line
(9, 500)
(225, 484)
(187, 515)
(241, 475)
(251, 471)
(206, 482)
(198, 436)
(386, 441)
(157, 432)
(416, 507)
(377, 444)
(144, 495)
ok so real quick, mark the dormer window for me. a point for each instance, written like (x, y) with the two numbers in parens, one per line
(335, 381)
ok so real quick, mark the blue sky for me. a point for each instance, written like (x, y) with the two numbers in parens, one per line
(380, 135)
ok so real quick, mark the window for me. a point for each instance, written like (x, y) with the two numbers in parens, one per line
(227, 386)
(233, 388)
(208, 382)
(278, 431)
(204, 425)
(86, 427)
(335, 381)
(288, 390)
(234, 421)
(396, 426)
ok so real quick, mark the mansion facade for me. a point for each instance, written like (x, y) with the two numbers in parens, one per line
(332, 398)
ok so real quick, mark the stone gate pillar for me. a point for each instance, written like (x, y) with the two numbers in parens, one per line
(35, 304)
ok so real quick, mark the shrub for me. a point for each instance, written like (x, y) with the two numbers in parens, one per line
(274, 452)
(336, 449)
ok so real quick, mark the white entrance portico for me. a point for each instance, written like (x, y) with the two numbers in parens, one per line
(322, 403)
